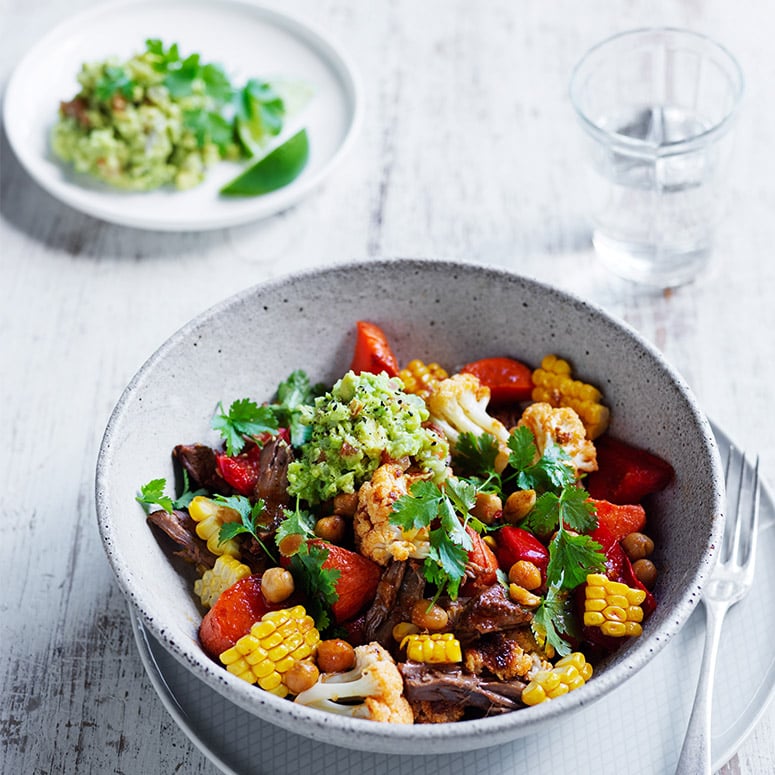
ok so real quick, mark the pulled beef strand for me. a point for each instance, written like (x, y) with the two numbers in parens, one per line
(402, 584)
(181, 530)
(490, 611)
(198, 460)
(451, 686)
(272, 484)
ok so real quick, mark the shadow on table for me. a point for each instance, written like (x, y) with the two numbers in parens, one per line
(28, 208)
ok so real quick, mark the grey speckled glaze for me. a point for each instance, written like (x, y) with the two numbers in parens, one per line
(455, 312)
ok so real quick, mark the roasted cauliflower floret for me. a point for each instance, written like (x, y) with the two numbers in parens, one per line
(562, 426)
(375, 537)
(374, 680)
(459, 405)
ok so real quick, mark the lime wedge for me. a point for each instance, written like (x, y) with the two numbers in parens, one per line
(273, 171)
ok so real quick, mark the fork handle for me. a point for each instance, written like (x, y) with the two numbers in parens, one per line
(695, 756)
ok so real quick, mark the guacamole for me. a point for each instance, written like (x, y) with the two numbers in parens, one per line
(141, 124)
(364, 417)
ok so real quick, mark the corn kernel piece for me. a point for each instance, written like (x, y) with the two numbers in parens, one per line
(554, 385)
(420, 378)
(277, 642)
(569, 673)
(227, 571)
(436, 647)
(610, 606)
(210, 518)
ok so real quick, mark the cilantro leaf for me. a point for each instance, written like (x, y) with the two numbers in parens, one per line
(475, 455)
(553, 470)
(445, 565)
(522, 448)
(161, 59)
(419, 508)
(554, 618)
(544, 517)
(216, 82)
(449, 543)
(180, 79)
(250, 514)
(261, 109)
(209, 126)
(152, 494)
(318, 583)
(114, 80)
(576, 510)
(293, 393)
(244, 418)
(571, 558)
(298, 522)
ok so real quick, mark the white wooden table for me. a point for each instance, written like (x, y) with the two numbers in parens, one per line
(468, 151)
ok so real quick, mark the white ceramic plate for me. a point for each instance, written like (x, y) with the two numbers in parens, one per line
(246, 39)
(651, 709)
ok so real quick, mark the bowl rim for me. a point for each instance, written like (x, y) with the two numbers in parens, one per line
(361, 733)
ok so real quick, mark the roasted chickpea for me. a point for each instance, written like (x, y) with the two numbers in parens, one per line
(346, 504)
(335, 656)
(402, 629)
(277, 585)
(520, 595)
(331, 528)
(518, 505)
(646, 572)
(429, 616)
(526, 574)
(488, 507)
(301, 676)
(290, 544)
(637, 546)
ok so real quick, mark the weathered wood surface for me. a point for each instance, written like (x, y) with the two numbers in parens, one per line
(468, 151)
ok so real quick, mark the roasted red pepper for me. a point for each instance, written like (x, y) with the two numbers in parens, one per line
(236, 610)
(626, 474)
(508, 380)
(357, 582)
(240, 471)
(619, 519)
(372, 351)
(515, 544)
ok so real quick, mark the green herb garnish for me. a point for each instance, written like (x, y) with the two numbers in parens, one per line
(244, 418)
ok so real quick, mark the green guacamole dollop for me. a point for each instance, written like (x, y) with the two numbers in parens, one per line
(364, 419)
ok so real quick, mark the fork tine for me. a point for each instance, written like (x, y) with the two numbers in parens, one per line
(736, 514)
(753, 529)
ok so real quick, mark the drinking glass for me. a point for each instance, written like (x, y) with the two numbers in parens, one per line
(656, 106)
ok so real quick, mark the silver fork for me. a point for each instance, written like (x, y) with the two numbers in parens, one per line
(729, 583)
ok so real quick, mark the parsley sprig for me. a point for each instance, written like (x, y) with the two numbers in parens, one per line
(153, 494)
(294, 393)
(250, 520)
(306, 565)
(445, 511)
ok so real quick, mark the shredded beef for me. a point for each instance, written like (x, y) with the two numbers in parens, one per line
(272, 484)
(199, 461)
(451, 686)
(181, 530)
(490, 611)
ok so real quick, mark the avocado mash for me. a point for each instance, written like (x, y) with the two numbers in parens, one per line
(364, 417)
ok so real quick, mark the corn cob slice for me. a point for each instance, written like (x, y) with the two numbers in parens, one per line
(613, 607)
(420, 378)
(568, 673)
(227, 571)
(273, 646)
(553, 384)
(438, 647)
(210, 517)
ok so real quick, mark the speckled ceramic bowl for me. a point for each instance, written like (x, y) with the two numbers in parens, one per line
(449, 312)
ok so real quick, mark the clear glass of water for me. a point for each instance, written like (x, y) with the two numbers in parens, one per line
(656, 106)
